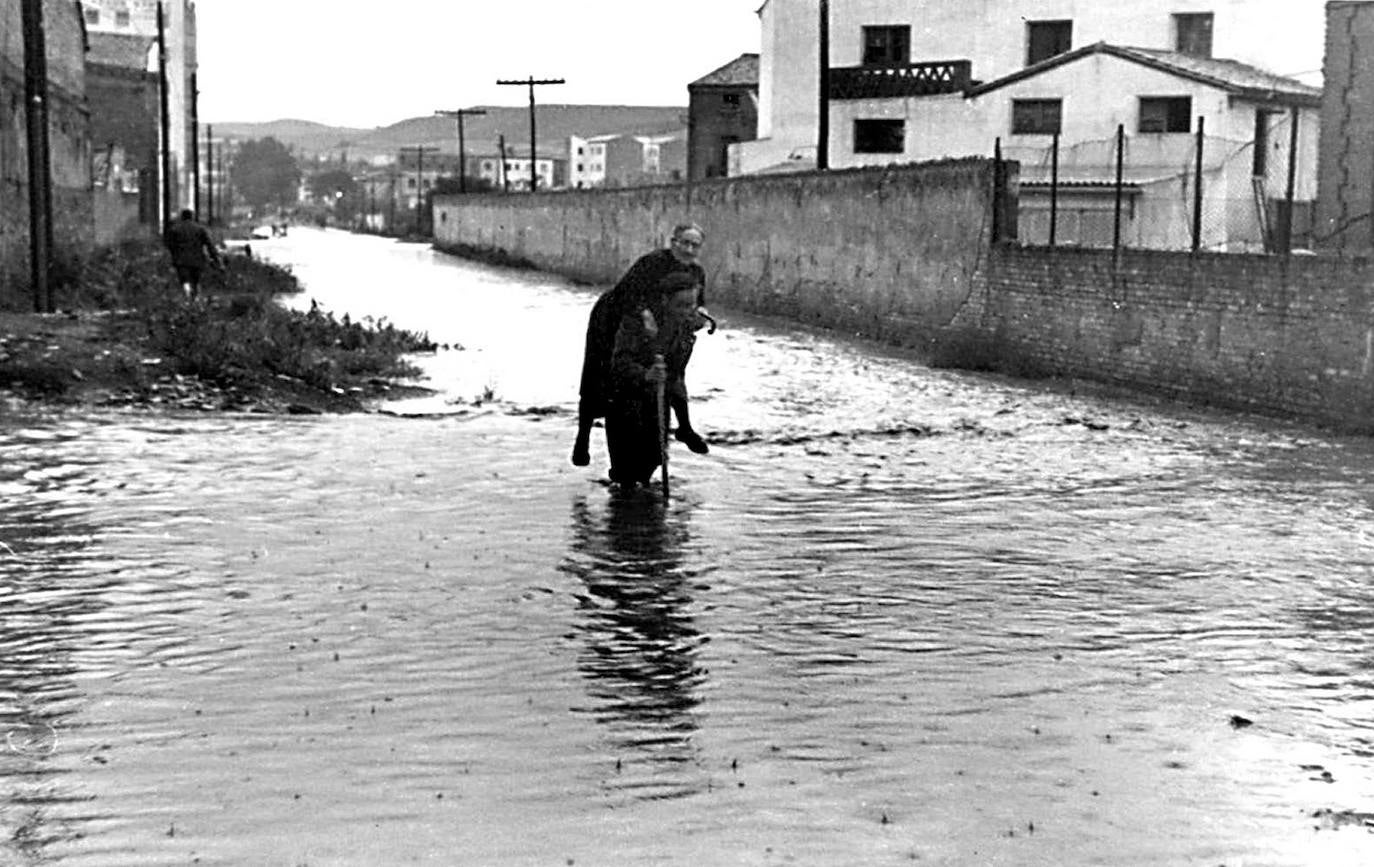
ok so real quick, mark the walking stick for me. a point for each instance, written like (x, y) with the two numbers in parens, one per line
(659, 389)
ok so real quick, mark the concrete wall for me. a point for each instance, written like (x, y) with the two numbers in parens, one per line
(904, 255)
(892, 253)
(1275, 334)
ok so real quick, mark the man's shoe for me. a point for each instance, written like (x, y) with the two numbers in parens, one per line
(692, 440)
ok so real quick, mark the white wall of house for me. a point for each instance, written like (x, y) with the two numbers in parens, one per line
(788, 81)
(993, 35)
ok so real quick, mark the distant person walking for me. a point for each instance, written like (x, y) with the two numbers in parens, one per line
(192, 249)
(637, 291)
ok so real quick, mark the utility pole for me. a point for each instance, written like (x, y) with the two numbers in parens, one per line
(39, 158)
(531, 82)
(195, 146)
(419, 151)
(165, 118)
(461, 113)
(210, 174)
(823, 115)
(505, 178)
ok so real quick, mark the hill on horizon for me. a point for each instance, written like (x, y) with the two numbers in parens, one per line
(555, 123)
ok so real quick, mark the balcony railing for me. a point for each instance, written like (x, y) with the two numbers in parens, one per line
(911, 79)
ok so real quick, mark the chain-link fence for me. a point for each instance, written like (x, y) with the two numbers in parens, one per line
(1179, 192)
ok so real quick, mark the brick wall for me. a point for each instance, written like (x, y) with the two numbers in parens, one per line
(1268, 333)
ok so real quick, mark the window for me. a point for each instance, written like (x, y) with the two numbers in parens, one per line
(1166, 113)
(1036, 116)
(1193, 33)
(580, 168)
(93, 17)
(1045, 39)
(888, 45)
(879, 136)
(121, 18)
(730, 100)
(1260, 166)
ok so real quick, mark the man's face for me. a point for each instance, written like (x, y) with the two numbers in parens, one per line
(686, 245)
(682, 304)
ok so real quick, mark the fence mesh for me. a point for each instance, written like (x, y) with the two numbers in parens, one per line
(1243, 205)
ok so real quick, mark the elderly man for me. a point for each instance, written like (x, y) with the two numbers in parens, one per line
(636, 293)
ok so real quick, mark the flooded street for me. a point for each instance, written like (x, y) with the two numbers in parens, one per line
(898, 615)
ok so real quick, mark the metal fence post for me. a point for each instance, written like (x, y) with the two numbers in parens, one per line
(997, 191)
(1120, 166)
(1054, 187)
(1287, 243)
(1197, 184)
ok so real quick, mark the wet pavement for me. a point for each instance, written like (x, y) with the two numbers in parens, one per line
(896, 616)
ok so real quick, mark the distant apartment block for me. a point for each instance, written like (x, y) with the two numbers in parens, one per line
(626, 159)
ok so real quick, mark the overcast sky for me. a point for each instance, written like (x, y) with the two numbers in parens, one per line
(358, 64)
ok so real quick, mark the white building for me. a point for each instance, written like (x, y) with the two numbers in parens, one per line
(179, 25)
(922, 81)
(587, 160)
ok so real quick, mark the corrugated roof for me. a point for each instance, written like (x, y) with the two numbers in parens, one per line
(743, 70)
(1231, 76)
(128, 50)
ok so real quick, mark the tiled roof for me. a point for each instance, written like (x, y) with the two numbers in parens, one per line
(743, 70)
(1229, 75)
(119, 49)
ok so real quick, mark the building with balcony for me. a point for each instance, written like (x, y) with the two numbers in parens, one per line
(953, 79)
(722, 110)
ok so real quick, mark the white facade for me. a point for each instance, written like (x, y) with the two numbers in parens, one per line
(993, 35)
(587, 161)
(179, 17)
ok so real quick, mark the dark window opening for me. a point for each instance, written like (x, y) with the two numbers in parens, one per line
(1166, 113)
(1036, 116)
(887, 45)
(121, 18)
(1045, 39)
(879, 136)
(1193, 33)
(730, 100)
(92, 16)
(722, 165)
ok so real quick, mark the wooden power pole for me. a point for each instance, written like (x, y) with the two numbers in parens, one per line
(459, 114)
(39, 157)
(531, 82)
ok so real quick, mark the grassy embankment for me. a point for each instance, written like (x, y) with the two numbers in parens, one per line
(128, 336)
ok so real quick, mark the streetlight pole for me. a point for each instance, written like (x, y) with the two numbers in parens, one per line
(165, 115)
(459, 114)
(531, 82)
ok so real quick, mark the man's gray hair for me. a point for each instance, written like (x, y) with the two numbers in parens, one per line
(687, 227)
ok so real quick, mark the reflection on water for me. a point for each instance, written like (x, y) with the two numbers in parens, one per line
(640, 651)
(897, 615)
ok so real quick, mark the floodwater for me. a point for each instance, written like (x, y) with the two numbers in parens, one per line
(896, 616)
